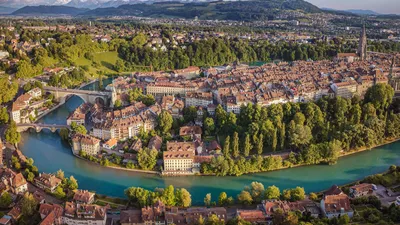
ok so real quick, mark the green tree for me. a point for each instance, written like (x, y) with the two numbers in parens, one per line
(213, 219)
(297, 194)
(380, 95)
(25, 70)
(286, 195)
(10, 86)
(139, 40)
(257, 190)
(272, 192)
(235, 145)
(169, 196)
(64, 134)
(291, 219)
(12, 135)
(119, 65)
(4, 117)
(313, 196)
(117, 104)
(165, 122)
(207, 199)
(299, 135)
(209, 126)
(201, 221)
(220, 116)
(5, 200)
(183, 198)
(245, 198)
(72, 183)
(147, 158)
(80, 129)
(30, 176)
(259, 145)
(223, 197)
(247, 146)
(60, 174)
(226, 148)
(29, 204)
(59, 193)
(189, 114)
(148, 99)
(344, 219)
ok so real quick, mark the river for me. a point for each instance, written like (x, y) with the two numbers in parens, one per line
(51, 154)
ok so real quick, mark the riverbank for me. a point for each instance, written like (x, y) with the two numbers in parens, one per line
(116, 167)
(343, 154)
(386, 142)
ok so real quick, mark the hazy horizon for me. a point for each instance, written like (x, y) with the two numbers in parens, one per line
(381, 6)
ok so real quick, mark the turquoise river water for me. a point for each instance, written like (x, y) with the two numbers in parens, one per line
(51, 154)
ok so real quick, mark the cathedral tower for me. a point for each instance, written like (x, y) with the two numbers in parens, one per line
(362, 45)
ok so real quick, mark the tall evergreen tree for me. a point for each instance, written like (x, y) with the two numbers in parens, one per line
(226, 148)
(260, 144)
(235, 145)
(247, 146)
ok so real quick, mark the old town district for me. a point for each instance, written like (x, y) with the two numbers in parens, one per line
(117, 136)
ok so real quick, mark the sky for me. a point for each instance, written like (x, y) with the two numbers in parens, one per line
(380, 6)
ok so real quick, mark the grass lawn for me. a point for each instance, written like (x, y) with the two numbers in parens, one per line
(117, 201)
(104, 62)
(102, 203)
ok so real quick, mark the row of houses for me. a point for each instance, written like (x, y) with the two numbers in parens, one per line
(334, 204)
(25, 107)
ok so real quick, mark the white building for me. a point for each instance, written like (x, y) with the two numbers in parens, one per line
(83, 214)
(199, 99)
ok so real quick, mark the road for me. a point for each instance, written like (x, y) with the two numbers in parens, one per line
(386, 195)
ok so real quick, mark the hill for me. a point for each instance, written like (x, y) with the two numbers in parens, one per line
(49, 10)
(223, 10)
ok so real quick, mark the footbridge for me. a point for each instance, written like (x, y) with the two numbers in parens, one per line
(88, 96)
(40, 126)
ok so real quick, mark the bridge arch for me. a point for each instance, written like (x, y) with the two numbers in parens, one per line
(39, 127)
(67, 97)
(62, 94)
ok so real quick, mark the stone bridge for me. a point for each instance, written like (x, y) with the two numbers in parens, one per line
(39, 127)
(93, 97)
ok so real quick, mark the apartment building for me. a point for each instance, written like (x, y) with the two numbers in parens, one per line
(47, 181)
(169, 88)
(84, 214)
(202, 99)
(178, 158)
(85, 143)
(126, 123)
(345, 89)
(12, 181)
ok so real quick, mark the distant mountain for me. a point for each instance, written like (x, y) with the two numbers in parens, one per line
(360, 12)
(49, 10)
(223, 10)
(6, 10)
(91, 4)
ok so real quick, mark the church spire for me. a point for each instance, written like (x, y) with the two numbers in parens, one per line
(362, 45)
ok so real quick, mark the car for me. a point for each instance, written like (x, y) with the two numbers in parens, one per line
(374, 187)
